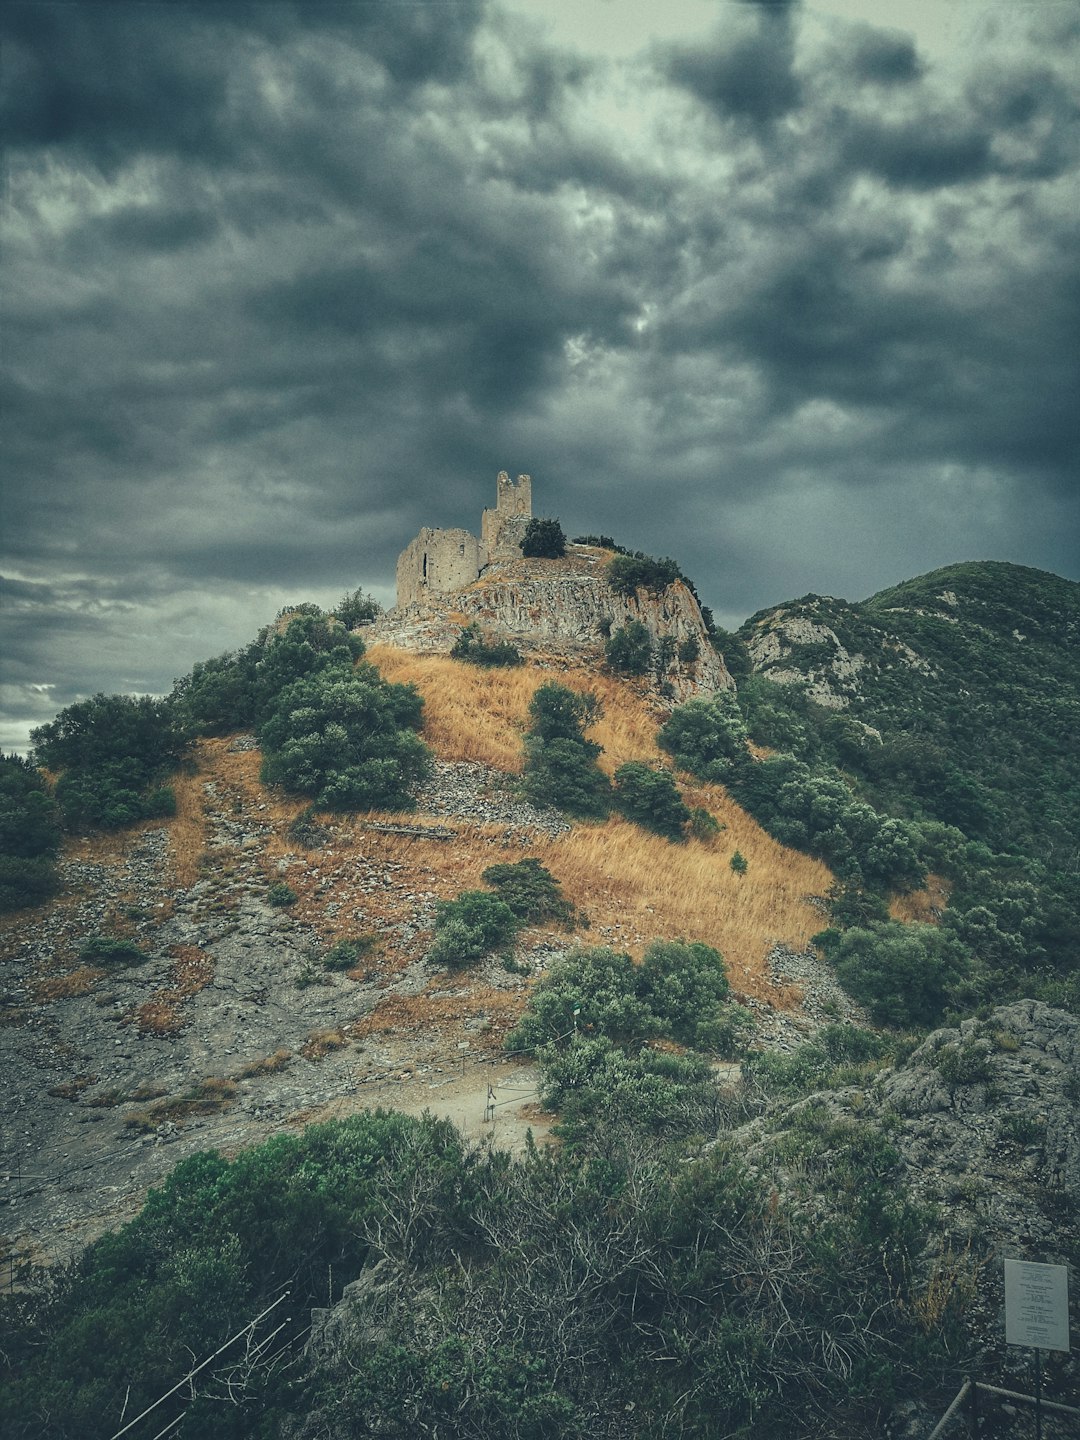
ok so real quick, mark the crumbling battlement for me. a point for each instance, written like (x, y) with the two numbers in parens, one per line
(440, 562)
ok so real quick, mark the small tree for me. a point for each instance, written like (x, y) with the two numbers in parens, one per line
(650, 798)
(356, 608)
(707, 737)
(544, 539)
(560, 764)
(630, 649)
(470, 927)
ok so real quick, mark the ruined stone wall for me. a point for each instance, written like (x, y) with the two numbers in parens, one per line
(502, 528)
(437, 562)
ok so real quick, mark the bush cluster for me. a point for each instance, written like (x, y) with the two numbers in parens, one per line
(543, 539)
(560, 763)
(113, 753)
(479, 649)
(628, 573)
(680, 991)
(29, 835)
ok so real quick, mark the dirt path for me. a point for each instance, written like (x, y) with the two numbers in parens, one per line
(496, 1102)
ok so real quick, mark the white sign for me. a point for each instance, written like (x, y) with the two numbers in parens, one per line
(1036, 1305)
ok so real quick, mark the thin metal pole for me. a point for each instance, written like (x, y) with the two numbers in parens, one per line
(1038, 1395)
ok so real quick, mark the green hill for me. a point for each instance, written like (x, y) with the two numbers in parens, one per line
(951, 701)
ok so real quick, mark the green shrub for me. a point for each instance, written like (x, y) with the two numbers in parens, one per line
(560, 763)
(345, 954)
(475, 647)
(347, 738)
(703, 824)
(112, 752)
(469, 928)
(738, 863)
(903, 974)
(707, 737)
(968, 1063)
(544, 538)
(680, 991)
(111, 950)
(629, 650)
(686, 986)
(29, 835)
(281, 894)
(589, 992)
(626, 574)
(650, 798)
(355, 608)
(530, 890)
(689, 650)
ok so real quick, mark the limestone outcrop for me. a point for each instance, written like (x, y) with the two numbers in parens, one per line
(567, 605)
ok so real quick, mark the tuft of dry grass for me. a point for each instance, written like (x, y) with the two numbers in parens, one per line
(432, 1012)
(925, 906)
(320, 1043)
(268, 1065)
(205, 1098)
(65, 987)
(71, 1089)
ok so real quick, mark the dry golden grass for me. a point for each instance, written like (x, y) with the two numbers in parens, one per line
(634, 887)
(429, 1014)
(65, 987)
(321, 1042)
(471, 713)
(71, 1089)
(268, 1065)
(925, 906)
(188, 827)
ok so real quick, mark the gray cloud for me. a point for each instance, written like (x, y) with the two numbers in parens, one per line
(286, 282)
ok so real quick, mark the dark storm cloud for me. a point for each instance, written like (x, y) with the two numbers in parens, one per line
(749, 76)
(880, 57)
(285, 282)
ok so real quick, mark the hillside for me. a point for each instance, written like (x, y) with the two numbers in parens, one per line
(232, 1029)
(702, 1132)
(969, 675)
(952, 702)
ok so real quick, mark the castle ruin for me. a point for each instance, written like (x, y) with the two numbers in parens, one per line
(439, 562)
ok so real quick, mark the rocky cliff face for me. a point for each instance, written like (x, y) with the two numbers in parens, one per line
(984, 1119)
(566, 605)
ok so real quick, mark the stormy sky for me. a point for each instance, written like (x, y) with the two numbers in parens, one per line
(779, 289)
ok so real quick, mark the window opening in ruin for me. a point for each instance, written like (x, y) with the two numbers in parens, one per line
(425, 565)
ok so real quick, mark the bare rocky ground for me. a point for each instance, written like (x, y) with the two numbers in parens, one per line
(231, 1031)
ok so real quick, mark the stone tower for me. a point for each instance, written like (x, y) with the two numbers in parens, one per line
(501, 529)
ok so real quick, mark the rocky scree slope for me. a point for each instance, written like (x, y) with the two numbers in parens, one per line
(232, 1028)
